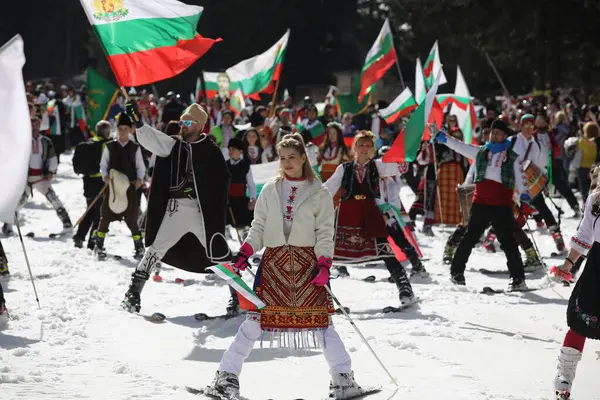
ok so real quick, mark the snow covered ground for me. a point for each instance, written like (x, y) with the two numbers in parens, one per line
(456, 344)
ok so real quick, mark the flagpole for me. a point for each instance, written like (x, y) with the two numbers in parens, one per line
(400, 74)
(489, 60)
(275, 95)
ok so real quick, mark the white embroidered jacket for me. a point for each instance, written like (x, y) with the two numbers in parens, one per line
(589, 228)
(313, 224)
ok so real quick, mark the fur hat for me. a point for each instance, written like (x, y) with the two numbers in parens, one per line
(236, 143)
(499, 124)
(195, 113)
(124, 120)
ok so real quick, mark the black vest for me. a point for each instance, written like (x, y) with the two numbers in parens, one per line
(122, 158)
(351, 188)
(239, 171)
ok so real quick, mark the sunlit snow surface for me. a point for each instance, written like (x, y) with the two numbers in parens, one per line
(456, 344)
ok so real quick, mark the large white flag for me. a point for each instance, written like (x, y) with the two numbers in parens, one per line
(15, 135)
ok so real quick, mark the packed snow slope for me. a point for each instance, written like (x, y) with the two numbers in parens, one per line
(455, 344)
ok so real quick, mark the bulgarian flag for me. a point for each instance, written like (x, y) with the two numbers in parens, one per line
(379, 59)
(315, 128)
(248, 299)
(256, 74)
(402, 105)
(460, 102)
(147, 41)
(433, 66)
(407, 143)
(420, 91)
(237, 102)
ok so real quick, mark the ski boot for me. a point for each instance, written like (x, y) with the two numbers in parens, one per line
(449, 251)
(342, 271)
(343, 386)
(225, 385)
(233, 306)
(139, 247)
(565, 374)
(576, 211)
(7, 230)
(427, 231)
(488, 242)
(78, 242)
(418, 269)
(99, 244)
(405, 292)
(132, 301)
(558, 239)
(516, 285)
(458, 279)
(65, 219)
(532, 261)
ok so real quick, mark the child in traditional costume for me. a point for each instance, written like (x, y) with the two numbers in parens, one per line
(294, 220)
(583, 311)
(240, 213)
(253, 151)
(362, 227)
(333, 151)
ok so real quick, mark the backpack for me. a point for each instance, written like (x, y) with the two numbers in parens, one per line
(86, 160)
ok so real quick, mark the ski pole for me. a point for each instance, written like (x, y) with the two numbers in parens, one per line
(27, 260)
(328, 289)
(365, 341)
(537, 249)
(91, 205)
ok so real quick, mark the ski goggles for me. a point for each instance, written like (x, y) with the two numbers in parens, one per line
(186, 122)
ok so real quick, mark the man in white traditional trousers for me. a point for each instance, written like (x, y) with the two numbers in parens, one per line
(187, 206)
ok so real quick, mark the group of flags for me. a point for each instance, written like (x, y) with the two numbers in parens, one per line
(425, 105)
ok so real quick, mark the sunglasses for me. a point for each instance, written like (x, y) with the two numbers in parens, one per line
(186, 122)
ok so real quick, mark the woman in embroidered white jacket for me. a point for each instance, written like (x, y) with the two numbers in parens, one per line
(583, 311)
(294, 220)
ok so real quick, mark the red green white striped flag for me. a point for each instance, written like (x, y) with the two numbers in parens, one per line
(433, 66)
(420, 91)
(379, 59)
(147, 41)
(255, 74)
(248, 299)
(407, 143)
(402, 105)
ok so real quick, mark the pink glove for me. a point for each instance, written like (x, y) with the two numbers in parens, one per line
(321, 271)
(240, 260)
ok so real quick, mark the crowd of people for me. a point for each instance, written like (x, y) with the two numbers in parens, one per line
(334, 201)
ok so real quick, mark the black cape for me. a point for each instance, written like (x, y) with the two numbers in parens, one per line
(212, 180)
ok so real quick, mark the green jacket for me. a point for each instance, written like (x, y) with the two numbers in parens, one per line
(217, 132)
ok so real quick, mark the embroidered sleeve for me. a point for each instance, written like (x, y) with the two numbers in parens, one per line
(155, 141)
(467, 150)
(324, 226)
(257, 229)
(334, 183)
(519, 179)
(584, 238)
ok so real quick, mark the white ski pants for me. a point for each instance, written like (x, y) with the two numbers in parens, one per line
(181, 216)
(334, 351)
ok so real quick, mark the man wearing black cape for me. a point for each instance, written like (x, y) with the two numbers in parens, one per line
(187, 206)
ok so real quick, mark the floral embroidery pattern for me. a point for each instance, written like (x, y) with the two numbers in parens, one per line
(590, 320)
(361, 172)
(580, 243)
(289, 208)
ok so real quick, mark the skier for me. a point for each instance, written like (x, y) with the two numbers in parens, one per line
(121, 162)
(583, 311)
(529, 148)
(86, 160)
(187, 207)
(496, 175)
(42, 168)
(294, 220)
(362, 229)
(240, 214)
